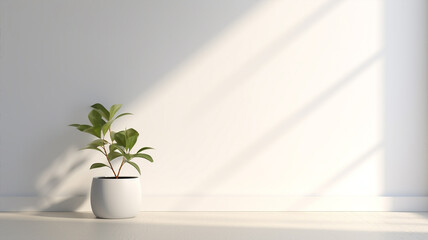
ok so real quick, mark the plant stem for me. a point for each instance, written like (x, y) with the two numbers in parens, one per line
(108, 160)
(123, 162)
(115, 175)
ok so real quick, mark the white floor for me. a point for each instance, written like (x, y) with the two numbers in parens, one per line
(217, 225)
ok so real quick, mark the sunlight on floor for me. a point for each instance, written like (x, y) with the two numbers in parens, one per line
(204, 225)
(355, 221)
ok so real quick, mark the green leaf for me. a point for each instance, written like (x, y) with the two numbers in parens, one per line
(95, 144)
(101, 110)
(94, 148)
(80, 127)
(98, 143)
(123, 114)
(143, 155)
(112, 135)
(127, 156)
(119, 137)
(96, 131)
(113, 155)
(96, 119)
(83, 127)
(115, 146)
(113, 110)
(144, 148)
(98, 165)
(135, 166)
(106, 126)
(131, 136)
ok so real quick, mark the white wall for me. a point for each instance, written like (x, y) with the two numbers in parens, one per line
(251, 105)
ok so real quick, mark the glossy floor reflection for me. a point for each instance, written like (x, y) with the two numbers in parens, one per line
(217, 225)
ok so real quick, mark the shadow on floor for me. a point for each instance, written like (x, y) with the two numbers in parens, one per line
(77, 215)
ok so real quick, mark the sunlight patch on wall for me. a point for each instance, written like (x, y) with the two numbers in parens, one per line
(283, 101)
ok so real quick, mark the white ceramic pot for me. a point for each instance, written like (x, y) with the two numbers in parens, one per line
(115, 198)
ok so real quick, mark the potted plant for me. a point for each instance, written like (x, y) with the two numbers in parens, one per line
(115, 196)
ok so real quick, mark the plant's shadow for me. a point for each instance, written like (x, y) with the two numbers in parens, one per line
(77, 215)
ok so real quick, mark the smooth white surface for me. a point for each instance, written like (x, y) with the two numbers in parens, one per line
(240, 98)
(228, 203)
(115, 198)
(219, 225)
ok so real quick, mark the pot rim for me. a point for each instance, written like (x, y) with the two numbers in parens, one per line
(120, 178)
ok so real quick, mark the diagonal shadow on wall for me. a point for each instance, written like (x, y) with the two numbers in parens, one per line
(90, 53)
(256, 147)
(233, 82)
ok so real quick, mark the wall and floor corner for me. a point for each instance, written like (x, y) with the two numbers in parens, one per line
(251, 105)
